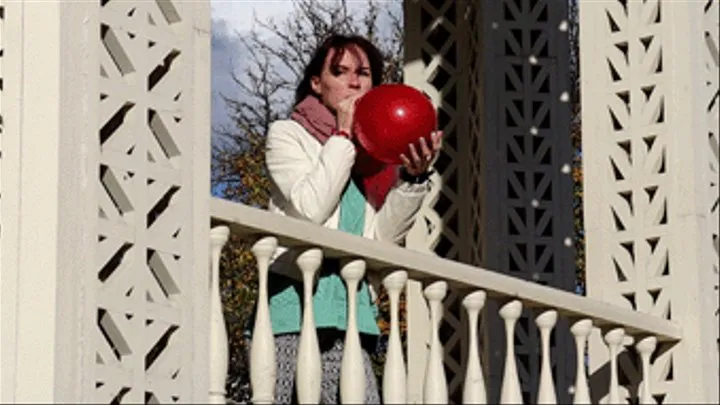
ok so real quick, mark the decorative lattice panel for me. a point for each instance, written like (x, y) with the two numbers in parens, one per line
(442, 59)
(637, 163)
(528, 197)
(712, 99)
(439, 53)
(638, 153)
(145, 211)
(439, 49)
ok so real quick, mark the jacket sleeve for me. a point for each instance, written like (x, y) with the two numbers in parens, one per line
(311, 186)
(398, 213)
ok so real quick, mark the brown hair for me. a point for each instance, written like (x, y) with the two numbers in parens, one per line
(340, 43)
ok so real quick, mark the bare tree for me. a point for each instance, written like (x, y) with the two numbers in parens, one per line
(266, 87)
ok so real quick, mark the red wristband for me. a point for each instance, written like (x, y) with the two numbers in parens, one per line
(341, 132)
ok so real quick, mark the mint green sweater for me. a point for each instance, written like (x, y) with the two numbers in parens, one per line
(330, 298)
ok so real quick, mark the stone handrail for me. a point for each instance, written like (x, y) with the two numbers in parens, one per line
(397, 265)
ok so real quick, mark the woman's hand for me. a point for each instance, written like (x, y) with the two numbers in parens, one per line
(419, 163)
(346, 112)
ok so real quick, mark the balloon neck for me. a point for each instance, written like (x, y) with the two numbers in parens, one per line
(365, 164)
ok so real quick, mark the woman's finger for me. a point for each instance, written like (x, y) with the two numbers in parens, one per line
(426, 152)
(416, 158)
(437, 140)
(405, 161)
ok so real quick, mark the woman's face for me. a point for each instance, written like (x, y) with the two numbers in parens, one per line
(351, 76)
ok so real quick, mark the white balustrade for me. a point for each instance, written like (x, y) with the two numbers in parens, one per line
(397, 377)
(394, 391)
(400, 381)
(218, 333)
(262, 352)
(394, 373)
(614, 340)
(352, 369)
(546, 388)
(474, 389)
(645, 348)
(510, 391)
(435, 390)
(309, 366)
(581, 330)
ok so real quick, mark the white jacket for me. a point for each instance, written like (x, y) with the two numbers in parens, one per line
(308, 179)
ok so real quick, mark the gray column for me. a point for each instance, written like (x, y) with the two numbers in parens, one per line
(498, 72)
(527, 196)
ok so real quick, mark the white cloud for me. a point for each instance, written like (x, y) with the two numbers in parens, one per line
(226, 58)
(231, 18)
(240, 14)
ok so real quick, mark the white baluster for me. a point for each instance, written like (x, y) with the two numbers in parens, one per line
(546, 388)
(435, 390)
(511, 392)
(394, 373)
(218, 334)
(581, 330)
(308, 374)
(262, 352)
(614, 340)
(474, 389)
(645, 348)
(352, 370)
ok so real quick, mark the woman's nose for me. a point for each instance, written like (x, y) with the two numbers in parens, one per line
(354, 81)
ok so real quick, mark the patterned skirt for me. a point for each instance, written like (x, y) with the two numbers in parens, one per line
(331, 351)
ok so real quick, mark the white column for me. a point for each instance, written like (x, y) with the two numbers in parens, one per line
(474, 389)
(614, 340)
(435, 390)
(352, 369)
(197, 107)
(418, 339)
(47, 261)
(262, 352)
(129, 247)
(546, 388)
(581, 330)
(645, 349)
(218, 334)
(510, 393)
(10, 68)
(649, 81)
(308, 375)
(394, 373)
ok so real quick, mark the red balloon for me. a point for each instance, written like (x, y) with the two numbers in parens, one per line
(390, 117)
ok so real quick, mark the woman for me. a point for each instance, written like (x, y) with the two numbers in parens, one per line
(319, 175)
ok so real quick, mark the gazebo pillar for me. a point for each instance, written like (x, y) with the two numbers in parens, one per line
(650, 153)
(104, 201)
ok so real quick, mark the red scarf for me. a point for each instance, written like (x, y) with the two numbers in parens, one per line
(374, 179)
